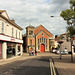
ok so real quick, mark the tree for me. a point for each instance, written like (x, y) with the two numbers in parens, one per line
(69, 16)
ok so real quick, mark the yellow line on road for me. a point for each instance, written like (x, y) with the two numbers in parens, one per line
(52, 67)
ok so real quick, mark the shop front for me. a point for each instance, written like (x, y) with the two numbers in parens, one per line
(10, 46)
(11, 50)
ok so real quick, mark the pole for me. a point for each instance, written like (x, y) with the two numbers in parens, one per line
(71, 50)
(60, 51)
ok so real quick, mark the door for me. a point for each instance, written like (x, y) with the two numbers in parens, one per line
(42, 48)
(31, 49)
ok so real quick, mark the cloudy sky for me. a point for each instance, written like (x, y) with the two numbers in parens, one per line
(36, 12)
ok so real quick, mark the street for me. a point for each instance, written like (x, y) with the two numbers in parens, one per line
(34, 66)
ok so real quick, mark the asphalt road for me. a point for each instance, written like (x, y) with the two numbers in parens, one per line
(35, 66)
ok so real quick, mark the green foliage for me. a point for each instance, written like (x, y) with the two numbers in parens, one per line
(61, 37)
(69, 16)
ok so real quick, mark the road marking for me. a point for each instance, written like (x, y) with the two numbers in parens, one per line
(52, 68)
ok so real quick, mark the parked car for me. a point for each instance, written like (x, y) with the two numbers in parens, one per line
(9, 51)
(62, 52)
(53, 50)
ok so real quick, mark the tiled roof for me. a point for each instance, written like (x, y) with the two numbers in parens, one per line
(30, 26)
(63, 34)
(39, 28)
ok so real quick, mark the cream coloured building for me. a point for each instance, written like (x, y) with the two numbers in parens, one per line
(10, 37)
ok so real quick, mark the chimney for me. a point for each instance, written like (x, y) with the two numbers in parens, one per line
(13, 20)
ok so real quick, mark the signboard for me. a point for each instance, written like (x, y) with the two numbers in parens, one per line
(10, 39)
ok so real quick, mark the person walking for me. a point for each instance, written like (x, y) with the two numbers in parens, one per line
(29, 52)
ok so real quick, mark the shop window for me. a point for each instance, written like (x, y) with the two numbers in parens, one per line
(11, 50)
(74, 49)
(30, 32)
(2, 27)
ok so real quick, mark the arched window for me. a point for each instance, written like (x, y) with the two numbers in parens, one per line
(46, 46)
(42, 39)
(38, 47)
(46, 40)
(38, 41)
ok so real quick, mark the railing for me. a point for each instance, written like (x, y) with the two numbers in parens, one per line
(52, 67)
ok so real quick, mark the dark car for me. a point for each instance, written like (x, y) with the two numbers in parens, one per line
(9, 51)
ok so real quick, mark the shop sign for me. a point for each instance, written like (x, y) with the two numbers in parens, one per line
(10, 39)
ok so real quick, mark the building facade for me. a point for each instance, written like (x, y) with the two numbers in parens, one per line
(37, 39)
(10, 36)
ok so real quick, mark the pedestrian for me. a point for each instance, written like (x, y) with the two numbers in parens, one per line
(35, 52)
(29, 52)
(32, 52)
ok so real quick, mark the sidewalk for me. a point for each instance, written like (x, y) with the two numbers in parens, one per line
(64, 66)
(16, 58)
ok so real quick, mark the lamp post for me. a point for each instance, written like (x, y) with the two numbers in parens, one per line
(60, 42)
(59, 23)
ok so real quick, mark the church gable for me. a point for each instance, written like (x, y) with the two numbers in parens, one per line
(4, 13)
(38, 29)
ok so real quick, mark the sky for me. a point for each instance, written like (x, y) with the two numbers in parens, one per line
(37, 12)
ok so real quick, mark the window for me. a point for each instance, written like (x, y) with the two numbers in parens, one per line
(46, 40)
(12, 32)
(38, 41)
(42, 34)
(46, 46)
(38, 47)
(42, 39)
(19, 35)
(2, 27)
(16, 33)
(30, 32)
(31, 42)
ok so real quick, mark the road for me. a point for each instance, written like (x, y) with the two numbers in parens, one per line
(34, 66)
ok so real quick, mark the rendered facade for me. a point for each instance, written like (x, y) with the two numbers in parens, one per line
(10, 37)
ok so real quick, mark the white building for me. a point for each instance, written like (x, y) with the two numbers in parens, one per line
(10, 36)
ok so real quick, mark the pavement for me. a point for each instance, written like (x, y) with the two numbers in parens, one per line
(64, 66)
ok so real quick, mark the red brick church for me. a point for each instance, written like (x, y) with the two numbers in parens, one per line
(37, 38)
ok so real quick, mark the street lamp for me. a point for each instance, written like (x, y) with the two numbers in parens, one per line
(60, 42)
